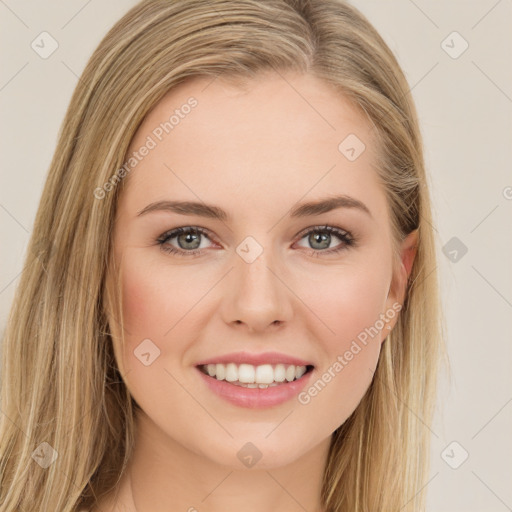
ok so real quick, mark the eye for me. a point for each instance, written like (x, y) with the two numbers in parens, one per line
(320, 238)
(189, 240)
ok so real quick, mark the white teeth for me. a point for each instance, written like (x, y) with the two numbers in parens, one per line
(264, 374)
(246, 373)
(261, 376)
(280, 373)
(253, 385)
(300, 371)
(220, 371)
(231, 372)
(290, 373)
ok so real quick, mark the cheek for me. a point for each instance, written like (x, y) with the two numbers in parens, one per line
(161, 304)
(351, 307)
(150, 307)
(350, 304)
(154, 298)
(142, 304)
(157, 316)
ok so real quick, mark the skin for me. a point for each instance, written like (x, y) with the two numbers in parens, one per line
(256, 152)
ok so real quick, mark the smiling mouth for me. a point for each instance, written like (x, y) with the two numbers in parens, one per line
(251, 376)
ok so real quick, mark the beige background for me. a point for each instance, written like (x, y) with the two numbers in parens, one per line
(465, 106)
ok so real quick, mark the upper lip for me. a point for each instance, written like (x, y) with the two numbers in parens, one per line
(255, 359)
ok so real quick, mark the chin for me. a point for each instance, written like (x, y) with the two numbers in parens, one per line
(259, 452)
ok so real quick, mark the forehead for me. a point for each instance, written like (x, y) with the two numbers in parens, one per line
(265, 143)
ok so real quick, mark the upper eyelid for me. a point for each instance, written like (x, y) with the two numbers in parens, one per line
(171, 233)
(324, 227)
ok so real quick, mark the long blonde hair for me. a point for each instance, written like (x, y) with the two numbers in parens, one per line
(62, 394)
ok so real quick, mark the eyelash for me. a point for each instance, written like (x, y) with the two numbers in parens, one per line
(346, 237)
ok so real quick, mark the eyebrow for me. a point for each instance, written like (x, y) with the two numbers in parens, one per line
(214, 212)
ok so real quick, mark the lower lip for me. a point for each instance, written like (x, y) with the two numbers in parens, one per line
(256, 398)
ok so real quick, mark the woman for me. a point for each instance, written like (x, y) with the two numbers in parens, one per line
(230, 299)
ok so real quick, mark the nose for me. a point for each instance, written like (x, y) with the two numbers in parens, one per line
(256, 295)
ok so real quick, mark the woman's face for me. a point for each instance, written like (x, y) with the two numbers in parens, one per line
(250, 274)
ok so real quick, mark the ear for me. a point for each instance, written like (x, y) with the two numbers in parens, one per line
(408, 252)
(399, 282)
